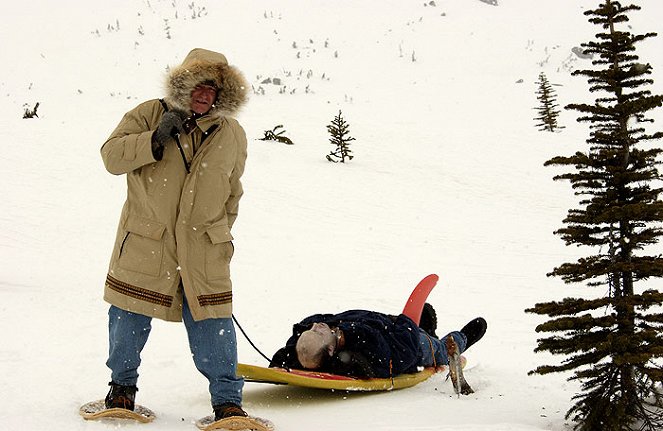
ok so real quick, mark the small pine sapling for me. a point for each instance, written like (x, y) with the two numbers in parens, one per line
(338, 129)
(547, 111)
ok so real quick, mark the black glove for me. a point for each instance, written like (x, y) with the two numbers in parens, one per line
(169, 126)
(350, 363)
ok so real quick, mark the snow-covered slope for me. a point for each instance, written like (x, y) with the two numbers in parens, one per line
(447, 178)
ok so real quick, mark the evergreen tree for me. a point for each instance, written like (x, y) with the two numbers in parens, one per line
(613, 343)
(340, 137)
(548, 111)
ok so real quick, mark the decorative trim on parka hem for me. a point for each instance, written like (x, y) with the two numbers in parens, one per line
(139, 292)
(215, 299)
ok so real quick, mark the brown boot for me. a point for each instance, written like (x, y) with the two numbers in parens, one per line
(227, 410)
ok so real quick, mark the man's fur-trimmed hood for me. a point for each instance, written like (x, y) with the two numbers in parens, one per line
(199, 66)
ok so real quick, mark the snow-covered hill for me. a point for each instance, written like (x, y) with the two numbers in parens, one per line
(447, 178)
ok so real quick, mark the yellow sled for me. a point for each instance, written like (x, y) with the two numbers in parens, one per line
(315, 379)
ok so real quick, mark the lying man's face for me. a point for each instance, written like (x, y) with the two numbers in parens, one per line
(314, 344)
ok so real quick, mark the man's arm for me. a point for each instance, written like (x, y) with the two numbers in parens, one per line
(350, 363)
(129, 147)
(236, 190)
(285, 357)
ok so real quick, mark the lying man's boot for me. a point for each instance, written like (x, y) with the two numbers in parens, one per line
(428, 320)
(474, 330)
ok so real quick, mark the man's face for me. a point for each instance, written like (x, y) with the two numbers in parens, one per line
(202, 98)
(315, 344)
(327, 335)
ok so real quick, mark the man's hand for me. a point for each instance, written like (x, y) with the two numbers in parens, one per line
(350, 363)
(169, 126)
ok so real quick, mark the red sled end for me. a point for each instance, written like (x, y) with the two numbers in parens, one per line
(417, 299)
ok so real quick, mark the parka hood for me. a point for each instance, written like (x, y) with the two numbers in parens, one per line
(202, 65)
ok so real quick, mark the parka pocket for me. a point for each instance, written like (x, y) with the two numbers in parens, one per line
(218, 252)
(142, 248)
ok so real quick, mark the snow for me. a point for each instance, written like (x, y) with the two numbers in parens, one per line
(447, 178)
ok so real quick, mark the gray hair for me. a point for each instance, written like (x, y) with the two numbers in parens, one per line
(311, 349)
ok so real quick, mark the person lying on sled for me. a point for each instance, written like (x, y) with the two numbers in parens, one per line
(367, 344)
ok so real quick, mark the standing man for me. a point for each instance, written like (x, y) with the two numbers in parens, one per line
(183, 157)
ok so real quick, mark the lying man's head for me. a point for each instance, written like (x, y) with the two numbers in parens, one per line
(315, 344)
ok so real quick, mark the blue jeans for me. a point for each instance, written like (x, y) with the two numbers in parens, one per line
(434, 351)
(212, 343)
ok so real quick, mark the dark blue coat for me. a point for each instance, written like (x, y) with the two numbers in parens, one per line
(376, 344)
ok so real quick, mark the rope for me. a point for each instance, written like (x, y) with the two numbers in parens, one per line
(248, 339)
(432, 350)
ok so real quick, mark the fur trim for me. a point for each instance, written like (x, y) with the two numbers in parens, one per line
(200, 66)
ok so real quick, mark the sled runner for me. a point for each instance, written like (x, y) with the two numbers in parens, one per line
(316, 379)
(96, 410)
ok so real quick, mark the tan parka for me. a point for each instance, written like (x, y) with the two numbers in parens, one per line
(176, 225)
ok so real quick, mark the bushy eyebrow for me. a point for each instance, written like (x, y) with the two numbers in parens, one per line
(210, 87)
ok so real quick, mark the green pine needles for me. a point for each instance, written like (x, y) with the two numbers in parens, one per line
(614, 342)
(548, 109)
(340, 138)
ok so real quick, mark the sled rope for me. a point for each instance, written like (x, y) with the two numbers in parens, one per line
(432, 350)
(249, 340)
